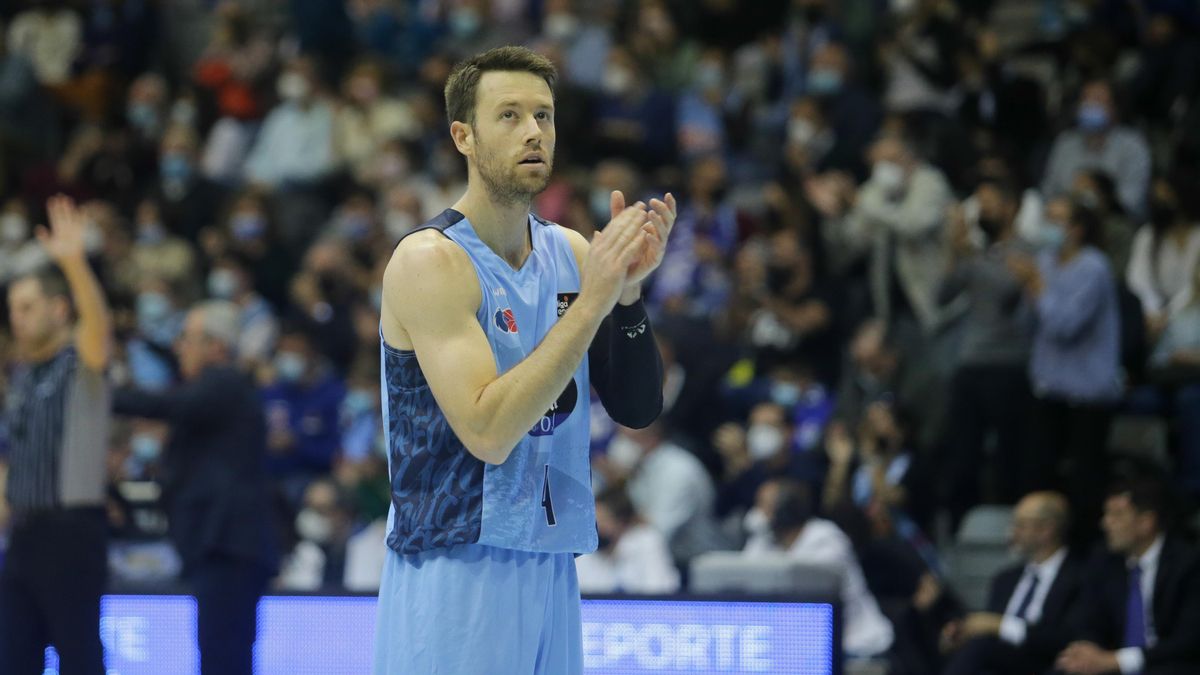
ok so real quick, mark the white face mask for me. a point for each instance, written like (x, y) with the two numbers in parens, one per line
(617, 80)
(314, 527)
(624, 453)
(888, 175)
(292, 86)
(763, 441)
(14, 229)
(801, 131)
(560, 26)
(755, 522)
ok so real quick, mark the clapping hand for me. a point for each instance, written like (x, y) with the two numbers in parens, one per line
(662, 216)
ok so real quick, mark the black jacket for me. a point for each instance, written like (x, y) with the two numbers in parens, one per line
(215, 490)
(1176, 606)
(1052, 632)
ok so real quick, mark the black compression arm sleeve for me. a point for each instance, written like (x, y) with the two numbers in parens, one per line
(626, 367)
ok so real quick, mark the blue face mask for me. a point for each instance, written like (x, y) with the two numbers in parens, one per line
(357, 402)
(151, 233)
(1093, 117)
(290, 367)
(143, 117)
(152, 308)
(175, 167)
(145, 447)
(1053, 236)
(248, 226)
(824, 82)
(785, 394)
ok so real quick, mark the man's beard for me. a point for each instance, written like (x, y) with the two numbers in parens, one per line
(503, 182)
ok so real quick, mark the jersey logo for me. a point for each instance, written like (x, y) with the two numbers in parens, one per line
(564, 302)
(558, 412)
(506, 320)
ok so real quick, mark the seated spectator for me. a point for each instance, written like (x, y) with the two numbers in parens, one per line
(368, 119)
(20, 253)
(1074, 368)
(897, 219)
(302, 403)
(1099, 141)
(1166, 251)
(188, 200)
(853, 111)
(795, 530)
(632, 557)
(1095, 189)
(157, 252)
(231, 279)
(1026, 623)
(757, 453)
(634, 119)
(1141, 612)
(295, 146)
(323, 524)
(159, 312)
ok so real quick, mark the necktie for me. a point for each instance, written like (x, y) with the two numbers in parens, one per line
(1027, 599)
(1135, 611)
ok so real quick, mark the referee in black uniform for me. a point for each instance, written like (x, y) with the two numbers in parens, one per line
(57, 415)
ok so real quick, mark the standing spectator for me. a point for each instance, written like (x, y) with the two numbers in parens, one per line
(1098, 141)
(632, 556)
(214, 485)
(897, 217)
(990, 387)
(1166, 252)
(1074, 369)
(1141, 613)
(302, 406)
(57, 421)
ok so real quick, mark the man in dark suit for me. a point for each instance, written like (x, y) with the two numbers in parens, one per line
(214, 485)
(1141, 612)
(1026, 623)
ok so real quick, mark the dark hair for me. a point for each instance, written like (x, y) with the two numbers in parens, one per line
(794, 507)
(1147, 495)
(1007, 189)
(52, 283)
(463, 82)
(1089, 220)
(616, 499)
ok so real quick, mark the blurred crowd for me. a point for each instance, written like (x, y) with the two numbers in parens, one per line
(927, 251)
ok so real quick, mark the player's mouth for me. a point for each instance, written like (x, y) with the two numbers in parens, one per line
(534, 159)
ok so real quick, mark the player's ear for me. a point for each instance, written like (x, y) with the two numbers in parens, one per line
(464, 137)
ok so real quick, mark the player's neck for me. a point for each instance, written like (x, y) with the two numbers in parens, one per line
(503, 227)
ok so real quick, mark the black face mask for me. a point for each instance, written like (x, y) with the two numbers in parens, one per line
(605, 542)
(1162, 214)
(990, 227)
(778, 278)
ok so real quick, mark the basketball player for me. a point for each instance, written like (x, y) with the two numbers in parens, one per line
(495, 323)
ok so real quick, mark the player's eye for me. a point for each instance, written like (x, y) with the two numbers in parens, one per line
(508, 114)
(543, 115)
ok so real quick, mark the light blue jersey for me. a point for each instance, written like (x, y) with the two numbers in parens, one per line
(540, 498)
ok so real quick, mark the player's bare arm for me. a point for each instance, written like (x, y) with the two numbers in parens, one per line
(430, 298)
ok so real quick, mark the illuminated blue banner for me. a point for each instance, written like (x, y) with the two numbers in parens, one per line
(315, 635)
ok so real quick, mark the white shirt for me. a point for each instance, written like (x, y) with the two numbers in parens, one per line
(1162, 279)
(1132, 659)
(821, 543)
(670, 487)
(1012, 626)
(639, 563)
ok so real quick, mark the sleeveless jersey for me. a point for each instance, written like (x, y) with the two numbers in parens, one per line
(540, 498)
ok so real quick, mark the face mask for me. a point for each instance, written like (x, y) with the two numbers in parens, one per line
(152, 308)
(605, 542)
(989, 226)
(801, 131)
(364, 89)
(888, 175)
(616, 81)
(824, 82)
(398, 224)
(755, 522)
(1093, 117)
(248, 226)
(785, 394)
(175, 167)
(151, 233)
(14, 229)
(222, 284)
(1053, 236)
(709, 77)
(464, 22)
(290, 366)
(560, 26)
(143, 117)
(624, 453)
(314, 527)
(357, 402)
(183, 113)
(1087, 198)
(354, 226)
(145, 447)
(763, 441)
(292, 86)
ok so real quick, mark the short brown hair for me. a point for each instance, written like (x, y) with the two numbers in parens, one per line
(463, 82)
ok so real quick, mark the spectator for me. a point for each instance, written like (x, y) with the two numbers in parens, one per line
(1074, 369)
(1165, 255)
(1141, 612)
(634, 119)
(295, 146)
(632, 557)
(1095, 189)
(302, 404)
(188, 200)
(1027, 621)
(258, 330)
(897, 218)
(20, 254)
(157, 252)
(854, 114)
(1098, 141)
(795, 530)
(324, 527)
(989, 392)
(213, 468)
(368, 119)
(757, 453)
(50, 36)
